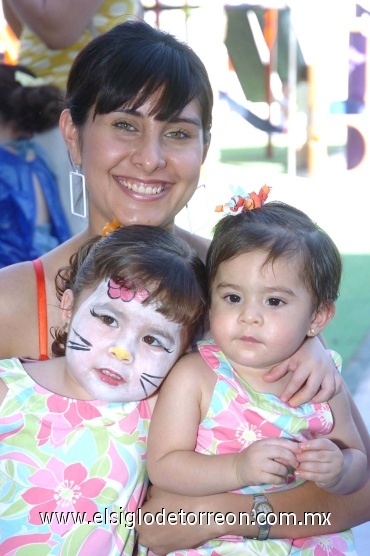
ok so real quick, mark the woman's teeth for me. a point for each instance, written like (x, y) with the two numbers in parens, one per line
(141, 189)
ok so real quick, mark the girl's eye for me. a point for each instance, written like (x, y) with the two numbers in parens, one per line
(275, 302)
(233, 298)
(106, 319)
(152, 341)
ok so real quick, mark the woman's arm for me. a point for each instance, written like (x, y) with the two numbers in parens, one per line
(18, 312)
(312, 511)
(303, 511)
(314, 375)
(58, 24)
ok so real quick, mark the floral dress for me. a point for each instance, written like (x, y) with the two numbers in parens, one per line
(79, 466)
(237, 416)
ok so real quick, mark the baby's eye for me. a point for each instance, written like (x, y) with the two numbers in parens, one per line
(152, 341)
(275, 302)
(233, 298)
(106, 319)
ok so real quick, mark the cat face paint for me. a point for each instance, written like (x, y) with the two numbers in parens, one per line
(119, 350)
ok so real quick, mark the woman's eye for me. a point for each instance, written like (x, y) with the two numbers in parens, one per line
(274, 302)
(179, 134)
(106, 319)
(233, 298)
(124, 125)
(152, 341)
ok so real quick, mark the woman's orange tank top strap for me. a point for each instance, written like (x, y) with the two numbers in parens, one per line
(42, 309)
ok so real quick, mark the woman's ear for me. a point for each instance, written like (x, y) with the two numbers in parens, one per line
(321, 318)
(66, 306)
(70, 134)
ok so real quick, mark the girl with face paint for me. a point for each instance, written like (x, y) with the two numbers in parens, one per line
(74, 428)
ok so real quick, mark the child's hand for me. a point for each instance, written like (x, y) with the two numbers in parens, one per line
(266, 461)
(321, 461)
(314, 379)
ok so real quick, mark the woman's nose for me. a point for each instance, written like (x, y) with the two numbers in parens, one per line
(149, 155)
(121, 353)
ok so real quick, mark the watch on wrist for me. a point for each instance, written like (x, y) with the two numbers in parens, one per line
(261, 508)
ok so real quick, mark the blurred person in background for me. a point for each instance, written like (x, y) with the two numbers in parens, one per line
(32, 220)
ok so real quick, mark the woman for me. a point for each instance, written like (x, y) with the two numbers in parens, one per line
(137, 127)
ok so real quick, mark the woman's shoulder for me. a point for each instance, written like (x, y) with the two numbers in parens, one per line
(18, 309)
(19, 301)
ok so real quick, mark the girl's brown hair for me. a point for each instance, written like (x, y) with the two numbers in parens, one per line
(141, 256)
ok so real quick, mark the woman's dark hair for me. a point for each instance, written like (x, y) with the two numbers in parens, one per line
(29, 109)
(282, 231)
(131, 62)
(138, 257)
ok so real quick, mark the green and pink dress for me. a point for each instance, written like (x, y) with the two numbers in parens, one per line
(238, 416)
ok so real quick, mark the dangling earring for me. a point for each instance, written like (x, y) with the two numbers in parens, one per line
(77, 188)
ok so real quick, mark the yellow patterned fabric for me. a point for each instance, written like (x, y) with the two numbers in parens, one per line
(54, 65)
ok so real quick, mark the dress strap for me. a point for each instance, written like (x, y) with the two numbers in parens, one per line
(42, 309)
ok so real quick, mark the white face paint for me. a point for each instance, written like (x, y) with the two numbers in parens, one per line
(119, 350)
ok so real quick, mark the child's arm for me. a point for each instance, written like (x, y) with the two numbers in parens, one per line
(314, 375)
(172, 463)
(336, 462)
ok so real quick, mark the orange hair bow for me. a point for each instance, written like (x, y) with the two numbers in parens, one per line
(250, 201)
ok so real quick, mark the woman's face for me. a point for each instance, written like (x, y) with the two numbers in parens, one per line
(139, 169)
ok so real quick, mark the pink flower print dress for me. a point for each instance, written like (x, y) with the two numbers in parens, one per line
(237, 416)
(79, 466)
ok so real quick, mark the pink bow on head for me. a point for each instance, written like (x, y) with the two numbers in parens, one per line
(126, 292)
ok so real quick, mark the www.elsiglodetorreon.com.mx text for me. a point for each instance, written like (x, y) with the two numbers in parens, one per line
(130, 519)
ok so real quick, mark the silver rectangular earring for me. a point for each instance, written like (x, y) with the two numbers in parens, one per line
(77, 191)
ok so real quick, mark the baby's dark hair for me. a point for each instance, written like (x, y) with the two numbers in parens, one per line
(29, 109)
(138, 257)
(282, 231)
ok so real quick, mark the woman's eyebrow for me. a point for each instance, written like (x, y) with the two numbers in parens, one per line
(176, 120)
(184, 120)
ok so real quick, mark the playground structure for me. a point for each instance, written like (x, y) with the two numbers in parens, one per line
(277, 49)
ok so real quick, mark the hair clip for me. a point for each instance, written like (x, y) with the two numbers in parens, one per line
(110, 227)
(241, 203)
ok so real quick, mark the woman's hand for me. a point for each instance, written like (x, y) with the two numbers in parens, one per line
(314, 379)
